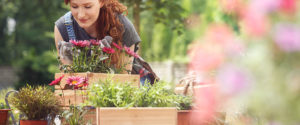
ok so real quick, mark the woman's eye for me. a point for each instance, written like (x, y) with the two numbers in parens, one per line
(88, 7)
(74, 7)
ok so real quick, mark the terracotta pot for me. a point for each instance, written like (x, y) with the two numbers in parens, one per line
(183, 117)
(4, 116)
(33, 122)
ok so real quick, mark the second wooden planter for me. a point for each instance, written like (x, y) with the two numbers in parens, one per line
(75, 97)
(136, 116)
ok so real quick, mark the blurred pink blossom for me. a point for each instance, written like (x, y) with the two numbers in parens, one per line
(220, 34)
(231, 6)
(224, 36)
(232, 80)
(205, 57)
(289, 6)
(287, 37)
(254, 23)
(264, 6)
(205, 105)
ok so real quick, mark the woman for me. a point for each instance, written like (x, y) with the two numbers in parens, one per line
(95, 19)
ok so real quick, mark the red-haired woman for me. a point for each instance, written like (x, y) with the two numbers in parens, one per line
(95, 19)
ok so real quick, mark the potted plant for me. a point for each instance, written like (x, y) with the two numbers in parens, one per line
(36, 103)
(92, 59)
(76, 115)
(4, 114)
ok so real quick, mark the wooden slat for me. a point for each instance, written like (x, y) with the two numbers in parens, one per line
(118, 78)
(137, 116)
(96, 77)
(70, 96)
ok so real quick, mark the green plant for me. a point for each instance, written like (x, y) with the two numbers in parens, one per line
(36, 103)
(75, 115)
(111, 94)
(3, 106)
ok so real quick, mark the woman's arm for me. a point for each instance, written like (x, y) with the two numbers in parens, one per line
(58, 38)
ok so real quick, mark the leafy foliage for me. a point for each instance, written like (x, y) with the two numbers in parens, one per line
(111, 94)
(75, 115)
(36, 102)
(3, 106)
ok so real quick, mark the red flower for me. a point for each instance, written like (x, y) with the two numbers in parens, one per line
(56, 81)
(108, 50)
(95, 43)
(117, 46)
(80, 43)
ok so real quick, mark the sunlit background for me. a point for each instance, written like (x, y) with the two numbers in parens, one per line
(247, 49)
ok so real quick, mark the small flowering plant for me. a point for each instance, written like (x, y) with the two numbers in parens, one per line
(92, 56)
(72, 83)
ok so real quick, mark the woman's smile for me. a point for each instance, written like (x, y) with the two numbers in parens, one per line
(83, 20)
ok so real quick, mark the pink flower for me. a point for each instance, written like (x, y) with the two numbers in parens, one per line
(95, 43)
(206, 103)
(116, 45)
(108, 50)
(83, 84)
(131, 53)
(56, 81)
(289, 6)
(232, 80)
(80, 43)
(231, 5)
(75, 80)
(255, 24)
(264, 6)
(287, 37)
(205, 57)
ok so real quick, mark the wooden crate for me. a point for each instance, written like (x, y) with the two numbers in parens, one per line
(75, 97)
(137, 116)
(96, 77)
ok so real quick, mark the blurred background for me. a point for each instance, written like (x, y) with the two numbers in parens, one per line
(248, 48)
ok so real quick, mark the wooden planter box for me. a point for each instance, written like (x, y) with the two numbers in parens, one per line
(137, 116)
(75, 97)
(146, 116)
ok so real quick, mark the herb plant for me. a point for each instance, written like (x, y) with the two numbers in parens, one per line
(111, 94)
(75, 115)
(36, 103)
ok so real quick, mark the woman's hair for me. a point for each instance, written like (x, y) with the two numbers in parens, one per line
(108, 24)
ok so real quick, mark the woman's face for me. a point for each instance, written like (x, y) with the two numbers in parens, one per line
(85, 12)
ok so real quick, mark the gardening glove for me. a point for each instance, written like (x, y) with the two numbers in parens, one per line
(65, 51)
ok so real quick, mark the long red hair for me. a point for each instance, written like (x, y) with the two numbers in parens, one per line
(109, 24)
